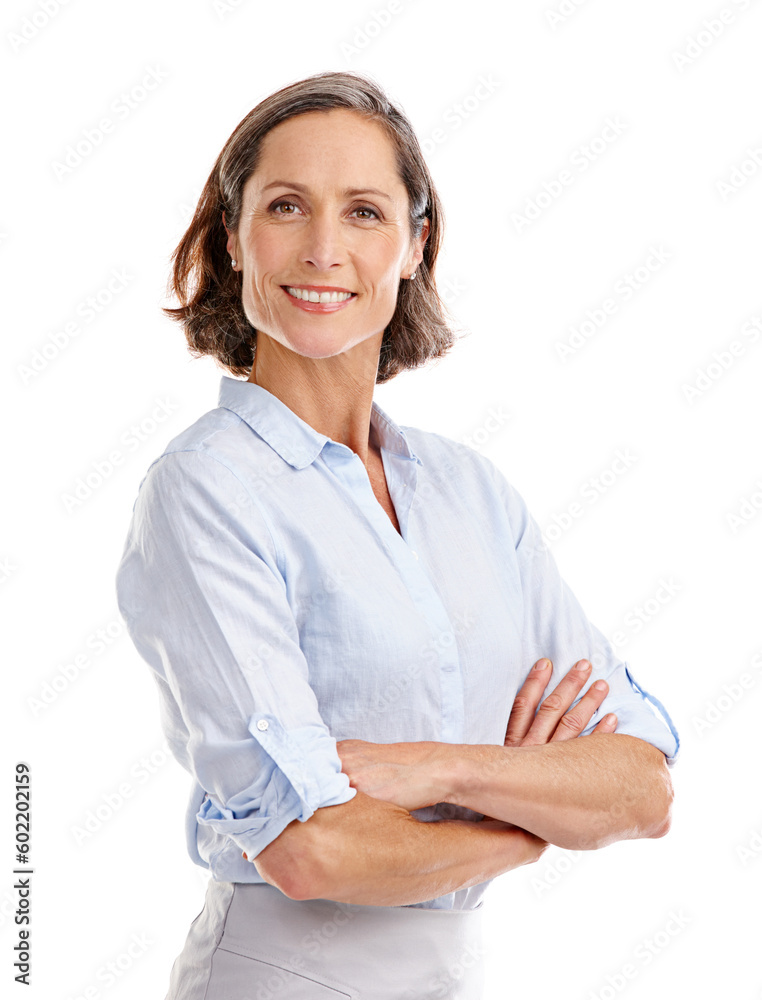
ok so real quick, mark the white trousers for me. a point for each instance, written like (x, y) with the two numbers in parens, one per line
(252, 942)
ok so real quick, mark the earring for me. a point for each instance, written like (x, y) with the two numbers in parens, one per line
(412, 276)
(233, 262)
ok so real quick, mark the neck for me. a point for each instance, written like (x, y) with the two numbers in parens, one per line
(333, 395)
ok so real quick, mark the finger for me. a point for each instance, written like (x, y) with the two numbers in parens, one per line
(558, 701)
(526, 701)
(607, 724)
(578, 716)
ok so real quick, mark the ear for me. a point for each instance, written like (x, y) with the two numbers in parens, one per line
(420, 243)
(231, 243)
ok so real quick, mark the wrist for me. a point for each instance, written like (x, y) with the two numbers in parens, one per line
(455, 771)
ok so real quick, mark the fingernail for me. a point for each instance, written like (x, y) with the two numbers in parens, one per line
(585, 666)
(610, 720)
(599, 685)
(542, 665)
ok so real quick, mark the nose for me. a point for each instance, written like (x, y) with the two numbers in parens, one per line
(323, 244)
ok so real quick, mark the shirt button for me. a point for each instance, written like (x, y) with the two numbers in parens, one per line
(414, 553)
(262, 724)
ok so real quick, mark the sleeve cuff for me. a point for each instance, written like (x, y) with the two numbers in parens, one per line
(647, 719)
(304, 775)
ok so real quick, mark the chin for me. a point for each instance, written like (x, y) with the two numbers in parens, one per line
(316, 346)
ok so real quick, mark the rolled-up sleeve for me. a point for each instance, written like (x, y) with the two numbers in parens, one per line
(555, 626)
(206, 606)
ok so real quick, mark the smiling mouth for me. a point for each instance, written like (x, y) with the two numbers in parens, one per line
(306, 295)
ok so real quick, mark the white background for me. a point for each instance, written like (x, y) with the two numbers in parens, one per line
(688, 116)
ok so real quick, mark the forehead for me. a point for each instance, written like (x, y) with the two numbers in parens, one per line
(336, 144)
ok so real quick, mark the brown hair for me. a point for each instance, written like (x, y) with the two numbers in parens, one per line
(209, 290)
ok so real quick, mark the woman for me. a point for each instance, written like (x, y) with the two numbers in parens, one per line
(341, 614)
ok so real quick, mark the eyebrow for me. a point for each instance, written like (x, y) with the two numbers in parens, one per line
(349, 192)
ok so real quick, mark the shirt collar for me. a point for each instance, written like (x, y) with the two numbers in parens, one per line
(294, 439)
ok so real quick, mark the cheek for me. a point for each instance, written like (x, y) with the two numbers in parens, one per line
(380, 267)
(266, 253)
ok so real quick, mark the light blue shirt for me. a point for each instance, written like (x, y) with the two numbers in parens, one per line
(280, 611)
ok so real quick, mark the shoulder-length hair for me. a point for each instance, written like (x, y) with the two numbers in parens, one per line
(209, 290)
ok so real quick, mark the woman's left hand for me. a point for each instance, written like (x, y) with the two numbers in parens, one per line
(411, 775)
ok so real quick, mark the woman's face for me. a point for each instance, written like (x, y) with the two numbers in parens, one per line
(325, 208)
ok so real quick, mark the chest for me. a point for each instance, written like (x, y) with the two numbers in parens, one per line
(407, 639)
(375, 468)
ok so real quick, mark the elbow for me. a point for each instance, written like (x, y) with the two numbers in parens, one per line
(661, 831)
(643, 812)
(291, 864)
(663, 818)
(276, 876)
(302, 885)
(663, 824)
(285, 878)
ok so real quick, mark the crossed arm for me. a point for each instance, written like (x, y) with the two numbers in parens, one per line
(580, 794)
(544, 785)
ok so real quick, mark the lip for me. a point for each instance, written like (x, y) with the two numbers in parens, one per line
(318, 288)
(319, 307)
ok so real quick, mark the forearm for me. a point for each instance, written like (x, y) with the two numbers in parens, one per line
(579, 794)
(375, 853)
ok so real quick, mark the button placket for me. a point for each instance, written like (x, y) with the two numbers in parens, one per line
(414, 576)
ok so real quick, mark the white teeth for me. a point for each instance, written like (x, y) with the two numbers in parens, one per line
(308, 296)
